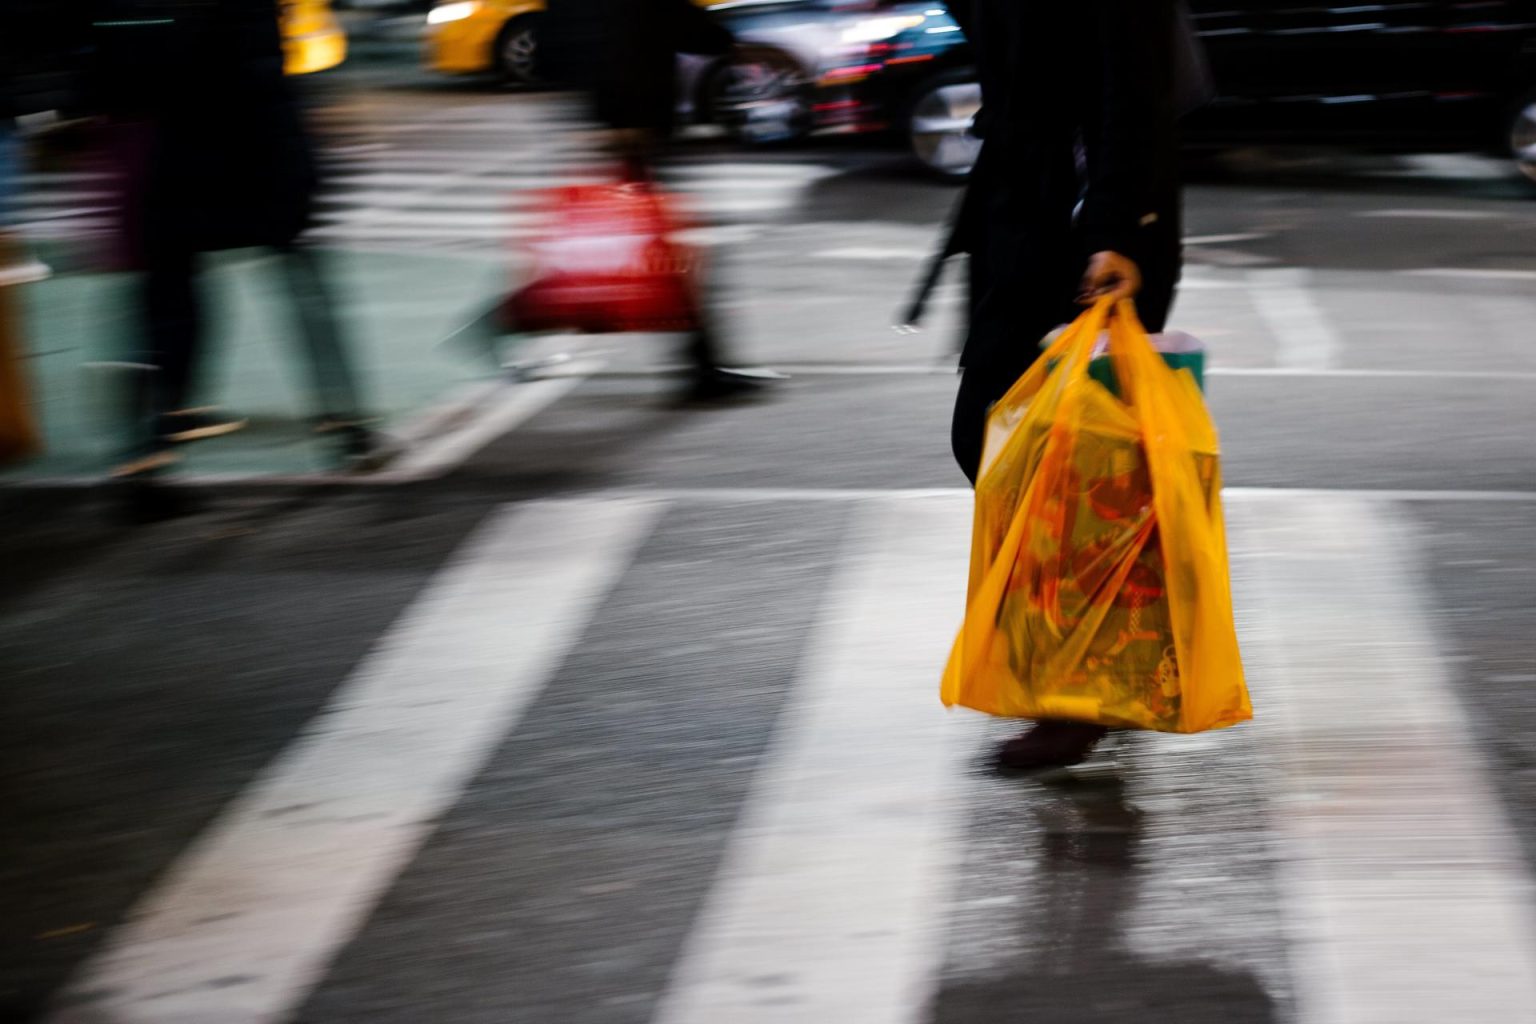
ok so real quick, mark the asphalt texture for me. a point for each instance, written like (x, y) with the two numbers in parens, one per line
(151, 672)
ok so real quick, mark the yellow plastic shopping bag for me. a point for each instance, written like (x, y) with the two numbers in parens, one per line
(1099, 585)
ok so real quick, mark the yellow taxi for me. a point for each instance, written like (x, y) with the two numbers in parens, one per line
(472, 36)
(501, 36)
(313, 39)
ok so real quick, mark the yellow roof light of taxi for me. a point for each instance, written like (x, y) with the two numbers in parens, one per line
(453, 12)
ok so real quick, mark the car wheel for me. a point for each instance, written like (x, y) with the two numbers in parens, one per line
(760, 97)
(517, 51)
(1522, 135)
(938, 127)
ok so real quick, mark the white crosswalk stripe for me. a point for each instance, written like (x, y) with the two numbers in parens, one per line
(1401, 884)
(472, 191)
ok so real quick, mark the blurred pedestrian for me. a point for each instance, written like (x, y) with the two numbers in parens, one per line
(34, 82)
(623, 53)
(213, 154)
(1075, 196)
(29, 40)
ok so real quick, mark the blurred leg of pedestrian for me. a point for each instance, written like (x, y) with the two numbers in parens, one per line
(168, 325)
(638, 152)
(19, 435)
(339, 410)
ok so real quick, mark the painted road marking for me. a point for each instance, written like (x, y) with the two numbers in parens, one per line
(1405, 889)
(1408, 898)
(835, 881)
(748, 494)
(1432, 214)
(505, 407)
(947, 368)
(872, 252)
(245, 923)
(1473, 273)
(1304, 339)
(1242, 236)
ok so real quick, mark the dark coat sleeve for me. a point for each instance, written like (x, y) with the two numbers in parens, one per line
(1130, 123)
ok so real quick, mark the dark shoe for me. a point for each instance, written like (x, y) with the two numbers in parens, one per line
(1051, 743)
(720, 383)
(198, 424)
(146, 498)
(359, 449)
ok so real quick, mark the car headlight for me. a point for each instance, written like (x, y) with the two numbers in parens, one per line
(870, 30)
(452, 12)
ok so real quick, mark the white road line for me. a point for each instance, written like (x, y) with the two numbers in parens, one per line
(391, 217)
(718, 234)
(830, 901)
(1406, 892)
(733, 494)
(1472, 273)
(944, 369)
(1304, 340)
(492, 182)
(723, 205)
(1366, 372)
(779, 185)
(1244, 236)
(948, 369)
(872, 252)
(423, 232)
(801, 172)
(1432, 214)
(485, 419)
(455, 199)
(814, 494)
(1294, 493)
(1451, 165)
(1192, 282)
(245, 923)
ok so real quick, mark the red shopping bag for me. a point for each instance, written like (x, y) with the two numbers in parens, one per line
(604, 261)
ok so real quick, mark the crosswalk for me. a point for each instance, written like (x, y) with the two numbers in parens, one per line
(677, 757)
(464, 181)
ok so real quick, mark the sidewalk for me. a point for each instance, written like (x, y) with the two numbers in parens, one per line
(394, 310)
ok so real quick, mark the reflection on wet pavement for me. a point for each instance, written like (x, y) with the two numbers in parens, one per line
(1122, 890)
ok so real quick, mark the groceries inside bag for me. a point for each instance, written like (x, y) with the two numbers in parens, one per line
(1099, 584)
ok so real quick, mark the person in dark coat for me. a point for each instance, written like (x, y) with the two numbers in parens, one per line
(1075, 196)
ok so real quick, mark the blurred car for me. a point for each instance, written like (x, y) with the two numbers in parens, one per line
(1404, 75)
(313, 39)
(1395, 75)
(477, 36)
(844, 66)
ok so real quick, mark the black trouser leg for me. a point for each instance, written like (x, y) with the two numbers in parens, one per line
(703, 346)
(171, 325)
(332, 376)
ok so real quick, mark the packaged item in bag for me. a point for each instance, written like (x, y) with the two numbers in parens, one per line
(1179, 350)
